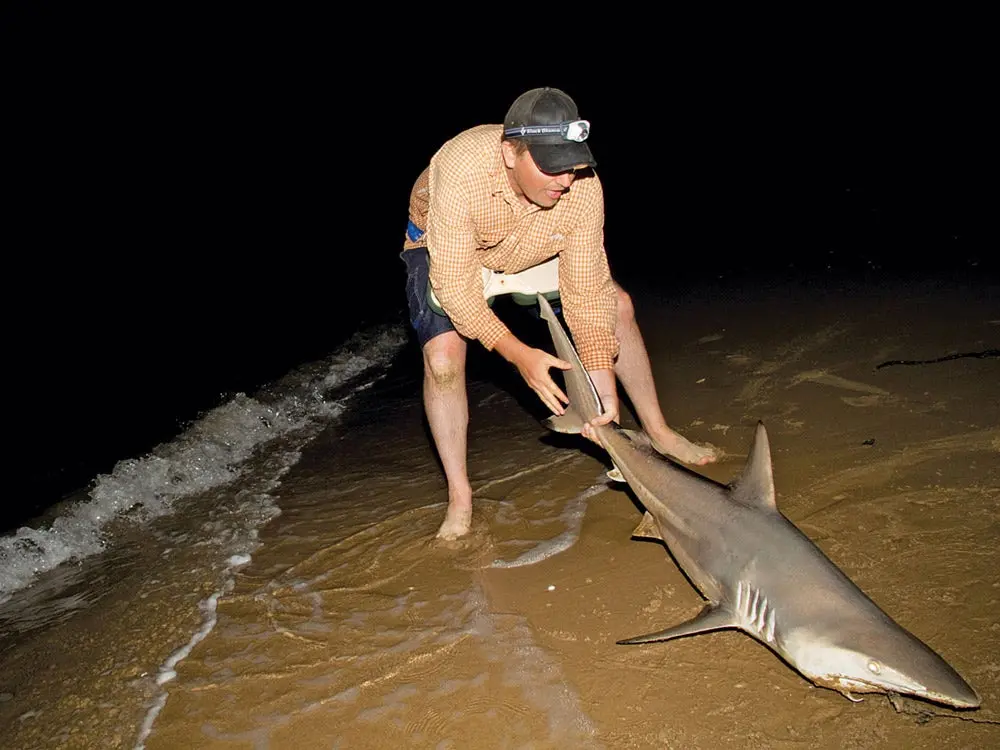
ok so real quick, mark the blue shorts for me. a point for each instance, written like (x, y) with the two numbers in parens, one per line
(425, 321)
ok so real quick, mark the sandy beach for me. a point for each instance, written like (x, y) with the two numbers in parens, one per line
(352, 628)
(221, 498)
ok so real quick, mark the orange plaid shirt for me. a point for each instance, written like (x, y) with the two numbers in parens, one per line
(472, 218)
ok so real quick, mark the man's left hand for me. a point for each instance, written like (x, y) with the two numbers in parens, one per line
(604, 382)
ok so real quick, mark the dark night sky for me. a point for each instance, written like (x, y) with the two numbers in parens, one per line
(194, 192)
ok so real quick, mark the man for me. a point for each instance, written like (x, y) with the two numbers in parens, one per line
(506, 199)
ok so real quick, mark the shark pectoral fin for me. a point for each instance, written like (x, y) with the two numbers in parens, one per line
(648, 528)
(569, 423)
(710, 618)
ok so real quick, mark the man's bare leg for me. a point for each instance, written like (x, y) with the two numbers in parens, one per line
(447, 408)
(636, 375)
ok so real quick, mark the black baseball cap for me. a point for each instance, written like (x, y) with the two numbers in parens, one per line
(548, 121)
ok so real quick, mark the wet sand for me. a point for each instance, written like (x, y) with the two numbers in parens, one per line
(353, 628)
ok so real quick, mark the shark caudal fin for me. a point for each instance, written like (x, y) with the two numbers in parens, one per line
(583, 398)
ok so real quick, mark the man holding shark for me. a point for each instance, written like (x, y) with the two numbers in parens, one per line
(518, 208)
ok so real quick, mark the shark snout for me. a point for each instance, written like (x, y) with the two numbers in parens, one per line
(958, 694)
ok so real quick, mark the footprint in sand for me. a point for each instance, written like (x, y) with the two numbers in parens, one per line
(862, 401)
(740, 360)
(710, 338)
(822, 377)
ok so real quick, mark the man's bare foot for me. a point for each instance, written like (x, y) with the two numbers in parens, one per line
(678, 446)
(457, 521)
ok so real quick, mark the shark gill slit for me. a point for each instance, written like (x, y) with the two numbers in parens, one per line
(755, 612)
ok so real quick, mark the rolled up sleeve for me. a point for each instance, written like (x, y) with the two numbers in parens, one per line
(588, 294)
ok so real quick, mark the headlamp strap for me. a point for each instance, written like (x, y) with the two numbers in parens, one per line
(581, 130)
(526, 130)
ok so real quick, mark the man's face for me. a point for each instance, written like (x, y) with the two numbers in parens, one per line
(531, 184)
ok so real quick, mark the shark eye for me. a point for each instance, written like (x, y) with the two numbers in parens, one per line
(874, 667)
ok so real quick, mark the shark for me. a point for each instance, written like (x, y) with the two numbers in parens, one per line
(757, 571)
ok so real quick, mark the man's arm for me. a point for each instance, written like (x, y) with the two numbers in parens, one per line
(589, 296)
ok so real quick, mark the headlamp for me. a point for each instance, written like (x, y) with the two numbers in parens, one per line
(572, 130)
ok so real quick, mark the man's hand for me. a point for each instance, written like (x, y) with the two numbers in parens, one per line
(604, 382)
(534, 365)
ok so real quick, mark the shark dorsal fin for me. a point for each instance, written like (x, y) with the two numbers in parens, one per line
(755, 486)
